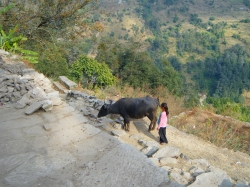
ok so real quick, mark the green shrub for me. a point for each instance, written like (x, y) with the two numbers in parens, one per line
(211, 18)
(175, 19)
(245, 20)
(52, 62)
(246, 3)
(91, 72)
(6, 9)
(236, 36)
(227, 107)
(11, 42)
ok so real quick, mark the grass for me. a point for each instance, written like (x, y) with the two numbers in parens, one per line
(219, 130)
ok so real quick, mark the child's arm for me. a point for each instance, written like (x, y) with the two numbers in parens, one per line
(158, 122)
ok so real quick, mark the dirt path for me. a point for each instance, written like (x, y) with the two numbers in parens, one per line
(236, 164)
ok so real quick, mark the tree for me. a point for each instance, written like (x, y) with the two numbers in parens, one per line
(175, 62)
(247, 3)
(154, 24)
(170, 2)
(194, 19)
(91, 72)
(53, 63)
(225, 76)
(171, 78)
(108, 50)
(49, 25)
(46, 15)
(175, 19)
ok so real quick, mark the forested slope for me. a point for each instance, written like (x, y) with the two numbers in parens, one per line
(163, 47)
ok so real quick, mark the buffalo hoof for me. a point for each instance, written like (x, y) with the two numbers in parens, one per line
(150, 129)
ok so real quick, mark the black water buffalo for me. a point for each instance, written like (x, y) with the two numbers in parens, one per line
(133, 108)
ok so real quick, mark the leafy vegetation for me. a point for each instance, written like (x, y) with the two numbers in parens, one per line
(227, 107)
(10, 42)
(247, 3)
(225, 76)
(91, 73)
(129, 64)
(52, 62)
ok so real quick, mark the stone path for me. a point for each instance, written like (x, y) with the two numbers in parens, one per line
(60, 148)
(46, 142)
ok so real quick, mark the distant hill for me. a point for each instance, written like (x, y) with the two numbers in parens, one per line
(185, 32)
(124, 19)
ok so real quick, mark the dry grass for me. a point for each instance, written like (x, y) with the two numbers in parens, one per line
(28, 64)
(220, 130)
(246, 95)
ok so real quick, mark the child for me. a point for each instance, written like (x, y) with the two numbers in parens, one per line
(162, 123)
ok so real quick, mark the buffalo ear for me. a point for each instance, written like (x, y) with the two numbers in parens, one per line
(111, 101)
(106, 102)
(105, 106)
(158, 99)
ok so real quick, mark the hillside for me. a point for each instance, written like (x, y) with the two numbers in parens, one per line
(122, 18)
(206, 42)
(195, 47)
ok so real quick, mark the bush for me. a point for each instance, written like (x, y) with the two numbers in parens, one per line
(247, 3)
(91, 72)
(53, 62)
(212, 18)
(176, 18)
(195, 20)
(245, 20)
(11, 42)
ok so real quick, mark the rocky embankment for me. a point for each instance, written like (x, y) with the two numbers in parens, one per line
(25, 90)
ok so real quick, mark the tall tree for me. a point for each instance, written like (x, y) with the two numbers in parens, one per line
(43, 16)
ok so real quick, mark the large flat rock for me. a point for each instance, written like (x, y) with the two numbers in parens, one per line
(67, 83)
(72, 153)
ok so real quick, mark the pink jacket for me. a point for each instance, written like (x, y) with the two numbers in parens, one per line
(163, 120)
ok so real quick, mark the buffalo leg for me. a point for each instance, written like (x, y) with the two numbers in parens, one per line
(153, 120)
(126, 124)
(126, 121)
(153, 123)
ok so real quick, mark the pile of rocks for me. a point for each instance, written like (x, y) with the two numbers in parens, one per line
(12, 87)
(26, 87)
(182, 169)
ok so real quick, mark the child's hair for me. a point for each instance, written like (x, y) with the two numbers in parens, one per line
(165, 106)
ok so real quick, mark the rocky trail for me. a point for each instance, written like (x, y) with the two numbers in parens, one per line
(192, 158)
(50, 136)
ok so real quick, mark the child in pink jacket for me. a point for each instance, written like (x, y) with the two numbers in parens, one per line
(162, 123)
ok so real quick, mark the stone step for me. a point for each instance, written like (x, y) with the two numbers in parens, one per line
(61, 88)
(67, 83)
